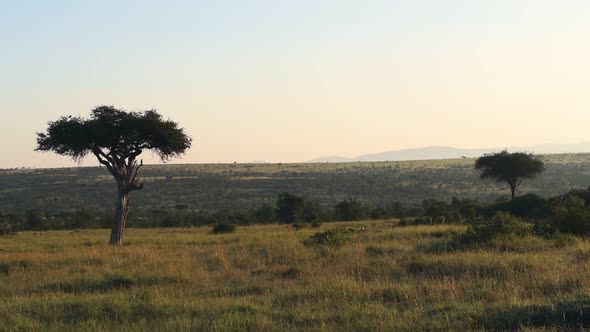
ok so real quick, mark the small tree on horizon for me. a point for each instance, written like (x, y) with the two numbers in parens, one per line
(116, 138)
(512, 168)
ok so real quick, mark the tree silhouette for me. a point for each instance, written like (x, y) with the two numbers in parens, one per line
(116, 138)
(511, 168)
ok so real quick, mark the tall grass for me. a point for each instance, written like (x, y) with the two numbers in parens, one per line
(265, 278)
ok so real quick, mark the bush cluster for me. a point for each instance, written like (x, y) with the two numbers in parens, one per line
(567, 214)
(334, 237)
(223, 228)
(501, 225)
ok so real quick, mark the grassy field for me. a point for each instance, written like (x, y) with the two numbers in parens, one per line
(264, 278)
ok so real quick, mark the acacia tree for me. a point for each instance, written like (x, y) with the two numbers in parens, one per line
(116, 138)
(511, 168)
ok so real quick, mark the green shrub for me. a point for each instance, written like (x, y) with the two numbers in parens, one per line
(223, 228)
(351, 209)
(500, 225)
(545, 229)
(527, 206)
(572, 216)
(334, 237)
(289, 208)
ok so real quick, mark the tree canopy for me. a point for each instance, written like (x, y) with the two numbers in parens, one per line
(115, 133)
(511, 168)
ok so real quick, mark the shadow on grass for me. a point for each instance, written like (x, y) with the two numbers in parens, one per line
(573, 315)
(81, 310)
(434, 268)
(108, 283)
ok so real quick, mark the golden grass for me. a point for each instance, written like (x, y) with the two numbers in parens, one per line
(264, 278)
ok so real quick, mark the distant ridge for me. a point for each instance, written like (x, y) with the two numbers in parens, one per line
(446, 152)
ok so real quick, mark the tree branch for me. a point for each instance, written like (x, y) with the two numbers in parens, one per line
(100, 156)
(133, 182)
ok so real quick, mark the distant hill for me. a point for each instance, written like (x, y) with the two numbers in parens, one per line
(445, 152)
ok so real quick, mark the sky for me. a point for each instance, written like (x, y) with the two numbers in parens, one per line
(290, 81)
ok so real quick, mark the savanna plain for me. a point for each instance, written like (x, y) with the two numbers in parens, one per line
(498, 272)
(270, 277)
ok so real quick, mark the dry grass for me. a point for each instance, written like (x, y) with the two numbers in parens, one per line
(265, 278)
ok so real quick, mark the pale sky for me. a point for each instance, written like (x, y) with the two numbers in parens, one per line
(288, 81)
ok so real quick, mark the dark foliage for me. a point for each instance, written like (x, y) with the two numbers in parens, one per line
(351, 209)
(529, 206)
(35, 220)
(265, 214)
(290, 208)
(465, 207)
(223, 228)
(502, 224)
(572, 216)
(511, 168)
(115, 133)
(564, 316)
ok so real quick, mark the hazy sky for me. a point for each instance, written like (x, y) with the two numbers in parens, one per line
(283, 80)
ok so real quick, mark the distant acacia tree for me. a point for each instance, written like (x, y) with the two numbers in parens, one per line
(116, 138)
(511, 168)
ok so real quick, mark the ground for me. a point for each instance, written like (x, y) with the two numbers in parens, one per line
(265, 278)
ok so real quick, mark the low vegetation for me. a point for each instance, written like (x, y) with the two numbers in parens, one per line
(214, 188)
(265, 277)
(223, 228)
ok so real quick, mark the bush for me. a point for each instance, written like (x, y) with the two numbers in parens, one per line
(436, 210)
(351, 209)
(289, 208)
(572, 216)
(334, 237)
(173, 220)
(501, 225)
(265, 214)
(223, 228)
(527, 206)
(545, 229)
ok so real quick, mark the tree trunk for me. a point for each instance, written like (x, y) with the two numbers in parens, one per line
(513, 190)
(121, 210)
